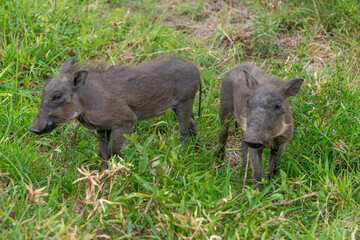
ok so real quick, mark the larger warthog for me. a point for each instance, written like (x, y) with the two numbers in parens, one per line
(111, 101)
(259, 104)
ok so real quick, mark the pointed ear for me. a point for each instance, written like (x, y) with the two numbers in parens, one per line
(292, 87)
(250, 80)
(79, 78)
(68, 63)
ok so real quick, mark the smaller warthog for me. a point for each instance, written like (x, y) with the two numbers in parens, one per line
(111, 101)
(259, 104)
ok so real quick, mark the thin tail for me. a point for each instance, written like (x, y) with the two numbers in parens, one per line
(199, 110)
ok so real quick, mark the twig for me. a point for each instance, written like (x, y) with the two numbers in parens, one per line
(198, 227)
(289, 202)
(227, 36)
(246, 169)
(256, 210)
(55, 12)
(151, 199)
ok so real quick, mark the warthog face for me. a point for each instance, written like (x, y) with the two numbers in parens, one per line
(59, 102)
(265, 110)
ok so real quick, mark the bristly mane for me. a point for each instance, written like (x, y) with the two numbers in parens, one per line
(93, 67)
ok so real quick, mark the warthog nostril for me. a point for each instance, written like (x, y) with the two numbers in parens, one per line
(253, 144)
(34, 130)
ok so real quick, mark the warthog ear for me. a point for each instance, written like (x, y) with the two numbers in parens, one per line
(250, 80)
(79, 78)
(68, 63)
(292, 87)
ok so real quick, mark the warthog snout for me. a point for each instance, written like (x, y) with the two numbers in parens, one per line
(41, 123)
(34, 130)
(253, 143)
(41, 128)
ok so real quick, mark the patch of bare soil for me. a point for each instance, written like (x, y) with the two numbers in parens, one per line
(233, 148)
(204, 20)
(233, 20)
(229, 19)
(319, 52)
(205, 23)
(233, 152)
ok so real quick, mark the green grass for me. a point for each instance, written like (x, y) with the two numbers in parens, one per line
(169, 192)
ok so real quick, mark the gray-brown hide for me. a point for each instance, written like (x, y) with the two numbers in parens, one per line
(259, 104)
(112, 101)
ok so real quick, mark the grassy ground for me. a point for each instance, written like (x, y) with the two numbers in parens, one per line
(48, 184)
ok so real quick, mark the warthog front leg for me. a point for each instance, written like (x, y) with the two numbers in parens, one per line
(255, 156)
(226, 118)
(111, 141)
(104, 147)
(244, 153)
(118, 139)
(274, 160)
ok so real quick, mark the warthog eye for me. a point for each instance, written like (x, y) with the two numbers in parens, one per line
(279, 108)
(57, 95)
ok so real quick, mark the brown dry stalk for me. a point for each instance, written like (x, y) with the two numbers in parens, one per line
(199, 221)
(227, 212)
(151, 199)
(287, 202)
(256, 210)
(5, 180)
(34, 194)
(93, 179)
(246, 169)
(4, 174)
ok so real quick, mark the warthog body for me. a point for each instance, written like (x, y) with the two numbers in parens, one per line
(259, 104)
(112, 101)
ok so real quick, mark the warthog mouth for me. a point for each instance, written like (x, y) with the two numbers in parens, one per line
(253, 144)
(48, 128)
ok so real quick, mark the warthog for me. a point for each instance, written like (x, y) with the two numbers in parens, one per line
(259, 104)
(111, 101)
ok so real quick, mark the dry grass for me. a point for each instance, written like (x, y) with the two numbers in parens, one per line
(5, 181)
(35, 194)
